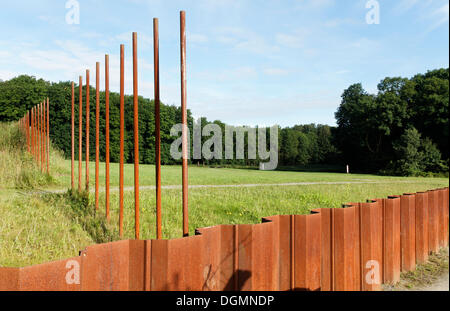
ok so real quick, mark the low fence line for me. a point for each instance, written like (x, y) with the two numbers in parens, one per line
(354, 248)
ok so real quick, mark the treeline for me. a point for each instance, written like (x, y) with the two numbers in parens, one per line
(312, 143)
(401, 130)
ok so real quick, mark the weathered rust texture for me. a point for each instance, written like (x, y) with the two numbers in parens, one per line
(307, 250)
(391, 254)
(54, 276)
(80, 131)
(88, 86)
(48, 135)
(433, 222)
(157, 127)
(408, 232)
(446, 223)
(136, 136)
(97, 133)
(371, 224)
(72, 164)
(441, 217)
(106, 267)
(421, 227)
(344, 264)
(184, 134)
(9, 279)
(122, 135)
(107, 136)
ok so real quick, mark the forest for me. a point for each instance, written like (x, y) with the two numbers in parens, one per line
(401, 130)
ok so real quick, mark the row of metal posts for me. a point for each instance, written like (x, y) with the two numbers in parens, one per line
(136, 133)
(35, 126)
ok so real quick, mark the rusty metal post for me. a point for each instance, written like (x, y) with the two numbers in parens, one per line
(44, 135)
(28, 132)
(32, 133)
(87, 130)
(32, 130)
(35, 134)
(107, 134)
(157, 127)
(48, 136)
(97, 131)
(73, 138)
(136, 137)
(122, 121)
(184, 122)
(39, 114)
(80, 131)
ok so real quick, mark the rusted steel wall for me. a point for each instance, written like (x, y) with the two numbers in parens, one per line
(346, 249)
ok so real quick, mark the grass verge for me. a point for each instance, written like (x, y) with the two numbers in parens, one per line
(424, 275)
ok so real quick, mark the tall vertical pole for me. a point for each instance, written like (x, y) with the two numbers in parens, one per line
(32, 131)
(73, 138)
(107, 133)
(44, 134)
(87, 130)
(136, 138)
(39, 114)
(80, 131)
(48, 136)
(97, 131)
(34, 134)
(157, 127)
(122, 121)
(184, 122)
(28, 131)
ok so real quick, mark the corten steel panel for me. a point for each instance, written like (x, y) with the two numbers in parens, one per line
(264, 258)
(421, 227)
(64, 275)
(244, 276)
(282, 243)
(211, 257)
(433, 222)
(407, 232)
(159, 263)
(441, 217)
(446, 223)
(307, 250)
(326, 278)
(371, 226)
(9, 279)
(228, 258)
(105, 267)
(137, 265)
(357, 248)
(391, 254)
(344, 264)
(181, 264)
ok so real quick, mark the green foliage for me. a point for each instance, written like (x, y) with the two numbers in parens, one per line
(371, 128)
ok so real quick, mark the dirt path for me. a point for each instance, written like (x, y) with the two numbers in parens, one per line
(441, 285)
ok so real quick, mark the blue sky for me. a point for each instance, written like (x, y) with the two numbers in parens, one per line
(250, 62)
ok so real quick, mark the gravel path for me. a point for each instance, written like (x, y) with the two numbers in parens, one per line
(131, 188)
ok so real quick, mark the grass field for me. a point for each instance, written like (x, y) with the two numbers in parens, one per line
(38, 226)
